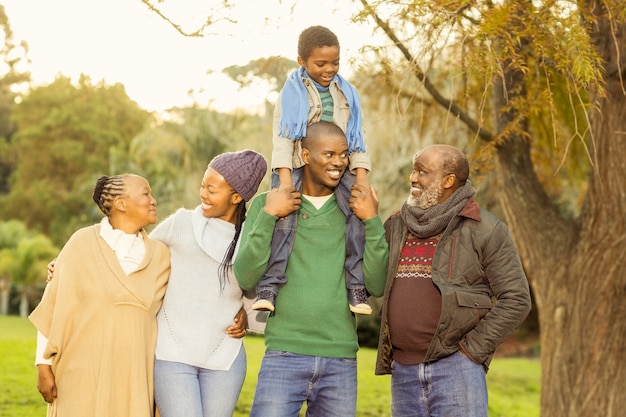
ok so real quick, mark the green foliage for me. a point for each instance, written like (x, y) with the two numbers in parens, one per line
(75, 130)
(513, 383)
(463, 55)
(11, 233)
(84, 131)
(174, 153)
(24, 256)
(12, 55)
(30, 259)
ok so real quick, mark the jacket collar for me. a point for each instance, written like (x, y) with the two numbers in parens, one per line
(471, 210)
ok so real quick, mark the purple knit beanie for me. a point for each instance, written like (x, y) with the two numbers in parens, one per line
(243, 170)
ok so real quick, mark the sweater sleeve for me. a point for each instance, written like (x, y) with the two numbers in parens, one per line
(375, 257)
(163, 231)
(42, 342)
(254, 249)
(360, 160)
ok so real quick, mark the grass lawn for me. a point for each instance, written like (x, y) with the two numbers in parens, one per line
(513, 383)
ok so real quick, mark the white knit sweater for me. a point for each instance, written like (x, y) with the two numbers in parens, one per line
(196, 312)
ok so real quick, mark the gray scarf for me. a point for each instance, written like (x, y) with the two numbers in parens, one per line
(424, 223)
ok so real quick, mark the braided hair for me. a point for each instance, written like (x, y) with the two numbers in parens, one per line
(107, 189)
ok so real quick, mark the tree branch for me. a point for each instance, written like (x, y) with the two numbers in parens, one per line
(419, 73)
(198, 33)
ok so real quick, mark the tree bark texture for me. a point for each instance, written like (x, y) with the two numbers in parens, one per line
(578, 269)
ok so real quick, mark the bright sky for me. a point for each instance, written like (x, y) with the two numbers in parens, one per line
(122, 41)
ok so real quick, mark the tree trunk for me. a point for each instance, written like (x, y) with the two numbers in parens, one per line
(24, 304)
(576, 268)
(577, 271)
(583, 314)
(5, 291)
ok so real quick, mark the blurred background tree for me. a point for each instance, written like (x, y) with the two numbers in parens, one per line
(28, 269)
(23, 259)
(11, 233)
(14, 55)
(67, 135)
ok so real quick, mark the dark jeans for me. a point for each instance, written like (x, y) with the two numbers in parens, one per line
(284, 236)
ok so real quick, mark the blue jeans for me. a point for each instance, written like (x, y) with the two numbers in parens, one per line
(287, 380)
(284, 236)
(450, 387)
(182, 390)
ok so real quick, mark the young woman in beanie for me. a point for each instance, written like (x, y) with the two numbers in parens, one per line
(200, 359)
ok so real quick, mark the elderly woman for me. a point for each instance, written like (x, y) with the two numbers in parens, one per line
(97, 318)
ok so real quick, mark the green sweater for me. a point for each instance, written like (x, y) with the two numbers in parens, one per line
(312, 316)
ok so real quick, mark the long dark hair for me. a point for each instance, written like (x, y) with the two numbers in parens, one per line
(227, 262)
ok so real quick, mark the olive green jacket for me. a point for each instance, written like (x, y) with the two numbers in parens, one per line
(484, 291)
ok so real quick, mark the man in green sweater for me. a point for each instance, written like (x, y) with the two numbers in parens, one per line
(310, 338)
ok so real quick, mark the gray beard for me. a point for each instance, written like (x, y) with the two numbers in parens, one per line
(427, 199)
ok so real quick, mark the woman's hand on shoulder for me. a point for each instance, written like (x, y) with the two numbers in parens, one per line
(51, 270)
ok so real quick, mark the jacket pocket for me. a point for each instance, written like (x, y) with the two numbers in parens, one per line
(473, 300)
(471, 308)
(467, 311)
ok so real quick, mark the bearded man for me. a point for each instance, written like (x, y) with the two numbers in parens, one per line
(455, 290)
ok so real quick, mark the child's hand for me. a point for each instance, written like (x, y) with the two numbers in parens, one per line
(362, 182)
(288, 187)
(364, 201)
(282, 201)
